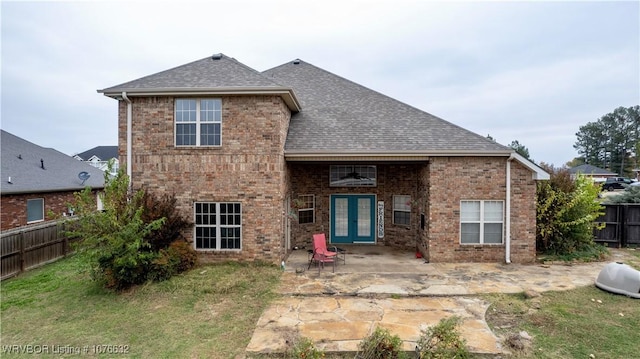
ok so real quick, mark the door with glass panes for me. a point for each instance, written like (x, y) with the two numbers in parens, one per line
(352, 218)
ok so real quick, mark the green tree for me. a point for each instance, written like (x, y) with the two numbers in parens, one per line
(111, 241)
(577, 161)
(133, 239)
(611, 141)
(566, 212)
(521, 149)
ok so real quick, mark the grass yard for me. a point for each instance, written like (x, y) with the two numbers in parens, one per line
(209, 312)
(570, 324)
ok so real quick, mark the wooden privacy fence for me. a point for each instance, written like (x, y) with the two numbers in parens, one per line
(622, 226)
(31, 246)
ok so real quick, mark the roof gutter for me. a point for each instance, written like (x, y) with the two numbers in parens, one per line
(357, 155)
(287, 94)
(129, 135)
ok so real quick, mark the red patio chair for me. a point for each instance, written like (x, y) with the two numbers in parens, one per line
(321, 254)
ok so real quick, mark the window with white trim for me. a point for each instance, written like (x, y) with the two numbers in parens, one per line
(218, 226)
(198, 122)
(481, 222)
(401, 210)
(35, 210)
(306, 211)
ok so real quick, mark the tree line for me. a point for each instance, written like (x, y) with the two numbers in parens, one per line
(612, 142)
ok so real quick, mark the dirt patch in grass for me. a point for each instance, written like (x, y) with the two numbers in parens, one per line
(568, 324)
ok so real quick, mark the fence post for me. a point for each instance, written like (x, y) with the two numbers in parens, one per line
(623, 224)
(22, 260)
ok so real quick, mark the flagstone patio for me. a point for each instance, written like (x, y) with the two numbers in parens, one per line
(387, 287)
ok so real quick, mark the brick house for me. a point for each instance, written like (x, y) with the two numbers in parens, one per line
(262, 160)
(100, 157)
(38, 183)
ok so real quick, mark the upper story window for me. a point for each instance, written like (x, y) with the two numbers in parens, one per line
(198, 122)
(352, 176)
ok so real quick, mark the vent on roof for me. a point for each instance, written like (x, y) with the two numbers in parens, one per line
(296, 62)
(216, 56)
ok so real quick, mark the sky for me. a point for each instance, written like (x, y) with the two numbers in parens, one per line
(528, 71)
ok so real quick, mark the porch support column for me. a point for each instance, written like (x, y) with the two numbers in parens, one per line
(507, 244)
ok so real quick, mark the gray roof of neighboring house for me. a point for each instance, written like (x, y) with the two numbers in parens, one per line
(591, 170)
(340, 116)
(21, 162)
(104, 153)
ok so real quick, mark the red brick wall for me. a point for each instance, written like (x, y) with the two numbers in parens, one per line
(393, 179)
(14, 207)
(452, 179)
(248, 168)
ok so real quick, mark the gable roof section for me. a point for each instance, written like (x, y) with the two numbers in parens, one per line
(591, 170)
(340, 118)
(214, 75)
(104, 153)
(21, 162)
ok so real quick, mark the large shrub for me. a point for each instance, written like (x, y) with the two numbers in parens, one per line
(135, 238)
(566, 213)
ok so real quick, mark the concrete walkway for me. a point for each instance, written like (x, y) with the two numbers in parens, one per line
(380, 286)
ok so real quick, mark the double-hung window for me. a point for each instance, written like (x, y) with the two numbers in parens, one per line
(35, 210)
(401, 210)
(218, 226)
(306, 212)
(198, 122)
(481, 222)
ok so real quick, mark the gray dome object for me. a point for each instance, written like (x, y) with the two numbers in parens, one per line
(619, 278)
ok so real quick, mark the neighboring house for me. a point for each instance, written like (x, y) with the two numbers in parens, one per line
(596, 173)
(262, 160)
(100, 156)
(37, 183)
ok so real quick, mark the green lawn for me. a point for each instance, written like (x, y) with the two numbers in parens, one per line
(570, 324)
(209, 312)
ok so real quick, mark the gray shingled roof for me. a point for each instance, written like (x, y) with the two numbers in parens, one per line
(21, 162)
(208, 73)
(591, 170)
(340, 116)
(104, 153)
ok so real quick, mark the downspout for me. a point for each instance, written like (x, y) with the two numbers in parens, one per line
(507, 249)
(129, 135)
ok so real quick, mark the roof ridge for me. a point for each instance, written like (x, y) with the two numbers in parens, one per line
(250, 68)
(388, 97)
(210, 57)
